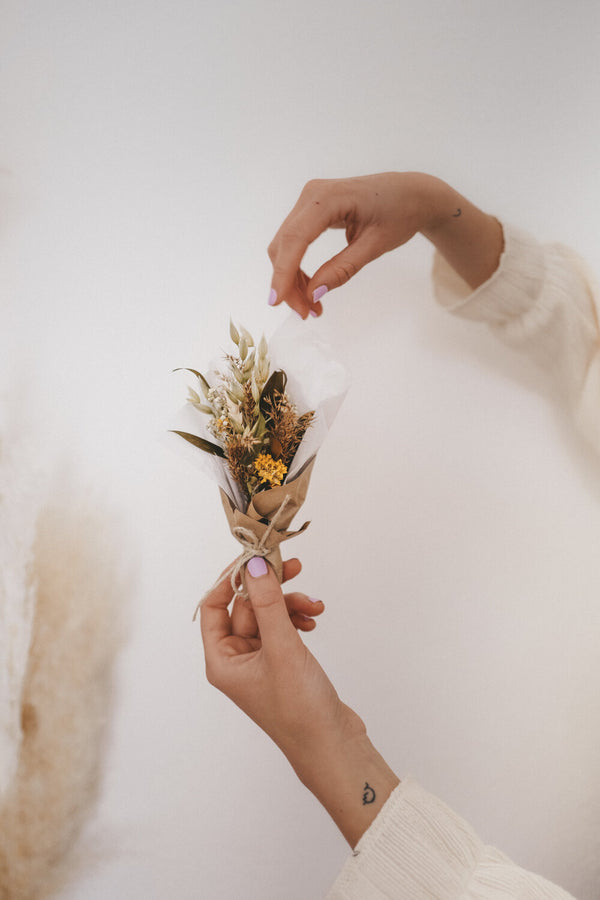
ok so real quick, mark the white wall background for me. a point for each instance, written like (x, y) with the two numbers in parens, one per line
(149, 153)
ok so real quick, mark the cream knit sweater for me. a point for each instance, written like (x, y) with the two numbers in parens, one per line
(542, 300)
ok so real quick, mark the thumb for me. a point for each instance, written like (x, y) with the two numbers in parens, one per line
(342, 267)
(268, 603)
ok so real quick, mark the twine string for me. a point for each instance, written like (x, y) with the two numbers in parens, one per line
(253, 546)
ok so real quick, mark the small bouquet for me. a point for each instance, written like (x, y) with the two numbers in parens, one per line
(257, 444)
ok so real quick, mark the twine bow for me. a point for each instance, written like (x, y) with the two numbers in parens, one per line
(253, 546)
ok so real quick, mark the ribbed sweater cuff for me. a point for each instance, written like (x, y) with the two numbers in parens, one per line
(543, 301)
(510, 292)
(417, 847)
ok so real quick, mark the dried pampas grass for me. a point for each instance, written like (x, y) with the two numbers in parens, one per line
(77, 628)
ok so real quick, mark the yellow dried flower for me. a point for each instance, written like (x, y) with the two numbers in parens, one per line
(270, 471)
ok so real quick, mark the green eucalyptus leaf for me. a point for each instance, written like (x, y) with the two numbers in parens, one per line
(207, 446)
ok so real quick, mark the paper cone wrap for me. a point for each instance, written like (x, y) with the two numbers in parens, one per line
(254, 528)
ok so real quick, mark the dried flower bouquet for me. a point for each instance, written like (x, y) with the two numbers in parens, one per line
(255, 431)
(253, 420)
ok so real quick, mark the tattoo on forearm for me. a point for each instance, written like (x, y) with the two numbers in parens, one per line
(457, 214)
(368, 794)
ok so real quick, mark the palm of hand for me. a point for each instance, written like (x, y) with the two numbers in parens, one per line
(273, 677)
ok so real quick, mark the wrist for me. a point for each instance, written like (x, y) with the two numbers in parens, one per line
(351, 780)
(310, 747)
(438, 204)
(470, 239)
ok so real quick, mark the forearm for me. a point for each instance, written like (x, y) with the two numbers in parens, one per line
(352, 781)
(469, 239)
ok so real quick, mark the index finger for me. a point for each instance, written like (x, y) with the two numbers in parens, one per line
(215, 621)
(308, 219)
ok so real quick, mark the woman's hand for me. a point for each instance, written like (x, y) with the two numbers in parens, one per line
(256, 657)
(379, 213)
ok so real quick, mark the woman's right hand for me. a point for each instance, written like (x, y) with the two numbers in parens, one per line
(378, 212)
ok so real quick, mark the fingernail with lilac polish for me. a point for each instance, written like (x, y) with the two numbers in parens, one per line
(273, 297)
(314, 600)
(313, 313)
(257, 567)
(318, 293)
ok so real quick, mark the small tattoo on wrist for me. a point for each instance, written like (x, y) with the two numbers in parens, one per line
(457, 214)
(368, 794)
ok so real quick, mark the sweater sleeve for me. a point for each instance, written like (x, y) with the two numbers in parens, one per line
(541, 300)
(419, 848)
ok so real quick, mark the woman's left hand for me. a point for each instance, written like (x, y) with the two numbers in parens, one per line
(257, 658)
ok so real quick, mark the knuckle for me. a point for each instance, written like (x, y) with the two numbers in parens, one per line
(345, 271)
(286, 249)
(288, 237)
(311, 186)
(282, 274)
(268, 598)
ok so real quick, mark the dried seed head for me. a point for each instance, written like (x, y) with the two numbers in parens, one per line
(262, 349)
(247, 336)
(197, 403)
(262, 373)
(204, 385)
(248, 363)
(235, 392)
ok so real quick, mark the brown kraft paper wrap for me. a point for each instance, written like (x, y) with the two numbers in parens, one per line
(256, 530)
